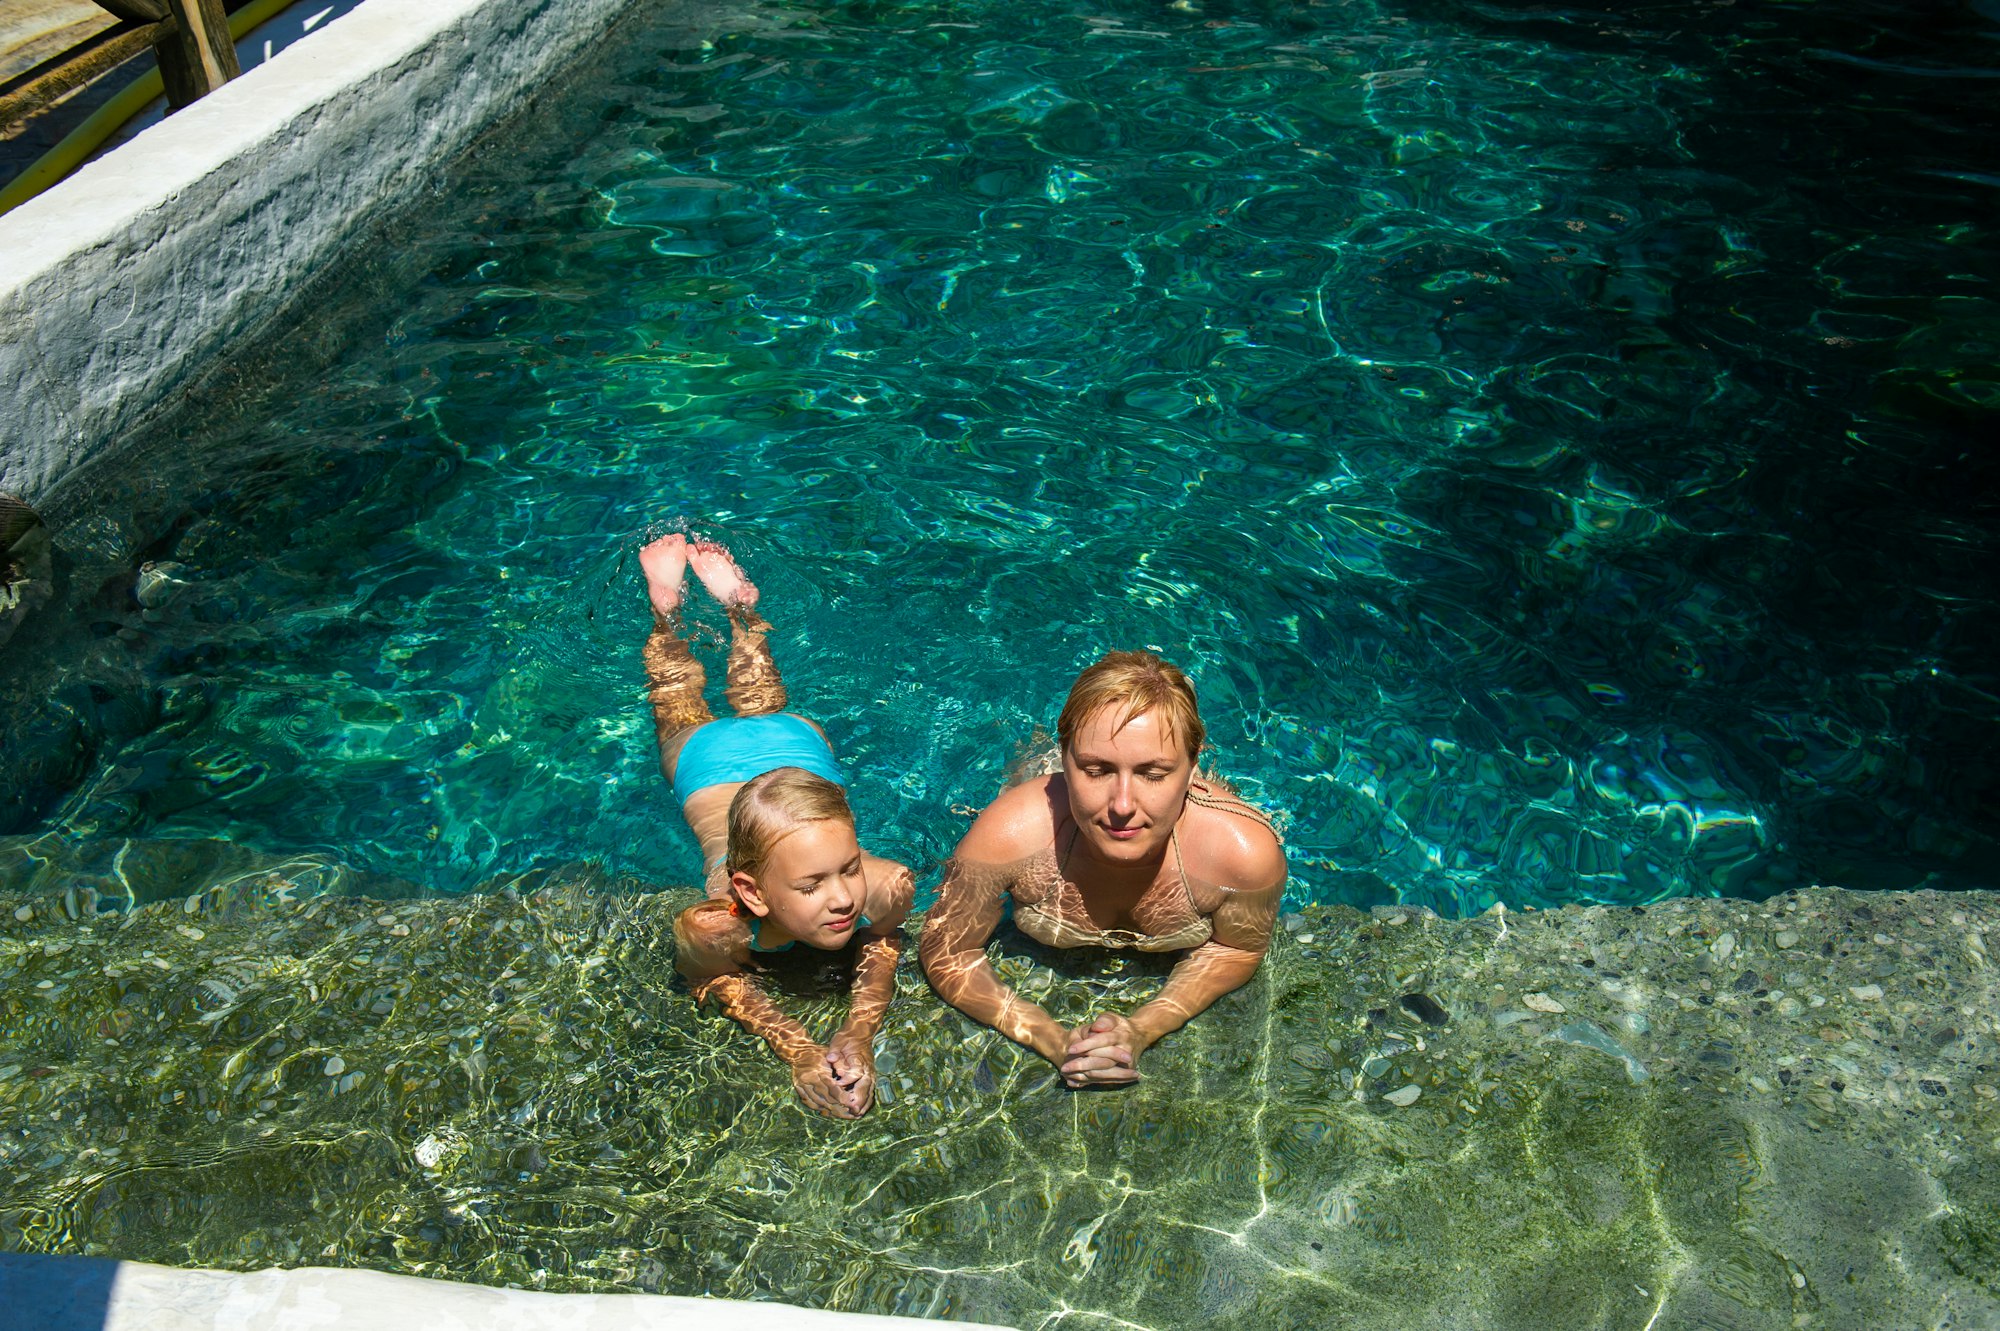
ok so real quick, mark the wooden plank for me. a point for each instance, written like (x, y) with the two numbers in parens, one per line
(200, 56)
(24, 54)
(136, 11)
(52, 80)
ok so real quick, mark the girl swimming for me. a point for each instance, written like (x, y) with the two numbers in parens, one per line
(763, 796)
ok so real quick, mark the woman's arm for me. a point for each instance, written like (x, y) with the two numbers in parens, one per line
(983, 872)
(1201, 977)
(953, 952)
(1106, 1050)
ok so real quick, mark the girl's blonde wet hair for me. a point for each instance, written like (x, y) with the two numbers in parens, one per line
(771, 806)
(1134, 682)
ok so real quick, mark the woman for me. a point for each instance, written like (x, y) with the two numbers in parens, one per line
(1124, 847)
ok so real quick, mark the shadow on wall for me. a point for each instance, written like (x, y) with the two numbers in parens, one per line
(24, 563)
(56, 1293)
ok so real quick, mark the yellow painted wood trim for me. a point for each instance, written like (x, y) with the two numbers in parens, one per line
(55, 165)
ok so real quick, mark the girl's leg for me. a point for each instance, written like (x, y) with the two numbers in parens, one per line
(754, 687)
(674, 679)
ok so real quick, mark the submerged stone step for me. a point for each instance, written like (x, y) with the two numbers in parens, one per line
(512, 1087)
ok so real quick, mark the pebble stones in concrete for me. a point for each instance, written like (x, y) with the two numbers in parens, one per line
(1799, 1130)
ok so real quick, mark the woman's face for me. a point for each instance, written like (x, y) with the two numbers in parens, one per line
(1126, 784)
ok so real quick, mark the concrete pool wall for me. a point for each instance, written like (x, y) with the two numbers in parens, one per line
(120, 287)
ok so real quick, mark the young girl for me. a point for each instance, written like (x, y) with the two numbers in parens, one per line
(763, 796)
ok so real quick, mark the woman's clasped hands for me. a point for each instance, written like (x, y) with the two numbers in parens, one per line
(1102, 1052)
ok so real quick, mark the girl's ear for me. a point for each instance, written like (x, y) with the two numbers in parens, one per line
(749, 894)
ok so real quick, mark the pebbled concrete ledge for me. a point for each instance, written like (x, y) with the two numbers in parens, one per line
(1702, 1113)
(119, 286)
(93, 1294)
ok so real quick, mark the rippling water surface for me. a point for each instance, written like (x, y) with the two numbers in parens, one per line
(1551, 437)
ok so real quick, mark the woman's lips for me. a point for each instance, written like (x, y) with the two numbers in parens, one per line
(1123, 833)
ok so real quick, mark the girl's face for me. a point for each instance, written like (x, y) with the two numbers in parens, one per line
(1126, 784)
(810, 889)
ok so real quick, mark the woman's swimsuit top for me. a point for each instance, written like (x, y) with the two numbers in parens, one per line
(737, 748)
(1058, 919)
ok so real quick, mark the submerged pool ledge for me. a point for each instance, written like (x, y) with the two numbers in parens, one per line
(123, 284)
(95, 1294)
(1702, 1112)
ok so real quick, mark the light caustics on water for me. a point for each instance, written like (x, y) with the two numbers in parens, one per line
(1542, 436)
(506, 1088)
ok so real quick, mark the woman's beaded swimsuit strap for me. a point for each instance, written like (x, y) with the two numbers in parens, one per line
(1180, 867)
(1225, 803)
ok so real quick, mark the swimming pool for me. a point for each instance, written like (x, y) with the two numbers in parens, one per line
(1546, 439)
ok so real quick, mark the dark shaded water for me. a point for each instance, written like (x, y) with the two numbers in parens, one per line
(1557, 441)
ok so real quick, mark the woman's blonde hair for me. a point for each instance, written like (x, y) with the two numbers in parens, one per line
(771, 806)
(1135, 682)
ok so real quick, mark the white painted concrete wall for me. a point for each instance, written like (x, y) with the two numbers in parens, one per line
(119, 286)
(91, 1294)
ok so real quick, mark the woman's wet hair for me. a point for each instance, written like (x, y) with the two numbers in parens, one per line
(1134, 682)
(771, 806)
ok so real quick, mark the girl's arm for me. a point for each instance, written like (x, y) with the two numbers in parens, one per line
(713, 948)
(881, 946)
(851, 1051)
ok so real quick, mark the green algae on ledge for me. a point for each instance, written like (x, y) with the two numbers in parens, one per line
(510, 1087)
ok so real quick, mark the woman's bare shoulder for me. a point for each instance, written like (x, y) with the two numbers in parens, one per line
(1234, 843)
(1019, 822)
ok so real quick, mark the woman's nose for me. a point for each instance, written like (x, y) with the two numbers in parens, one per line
(1121, 796)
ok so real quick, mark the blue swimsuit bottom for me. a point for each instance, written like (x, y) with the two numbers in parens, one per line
(737, 748)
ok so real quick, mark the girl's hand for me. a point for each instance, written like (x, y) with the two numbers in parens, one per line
(812, 1078)
(852, 1060)
(1104, 1052)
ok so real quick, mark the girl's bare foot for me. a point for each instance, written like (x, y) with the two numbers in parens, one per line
(665, 562)
(718, 572)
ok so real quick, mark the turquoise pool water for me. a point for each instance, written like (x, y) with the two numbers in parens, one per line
(1554, 440)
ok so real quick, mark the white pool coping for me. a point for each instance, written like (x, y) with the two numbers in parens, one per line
(96, 1294)
(122, 284)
